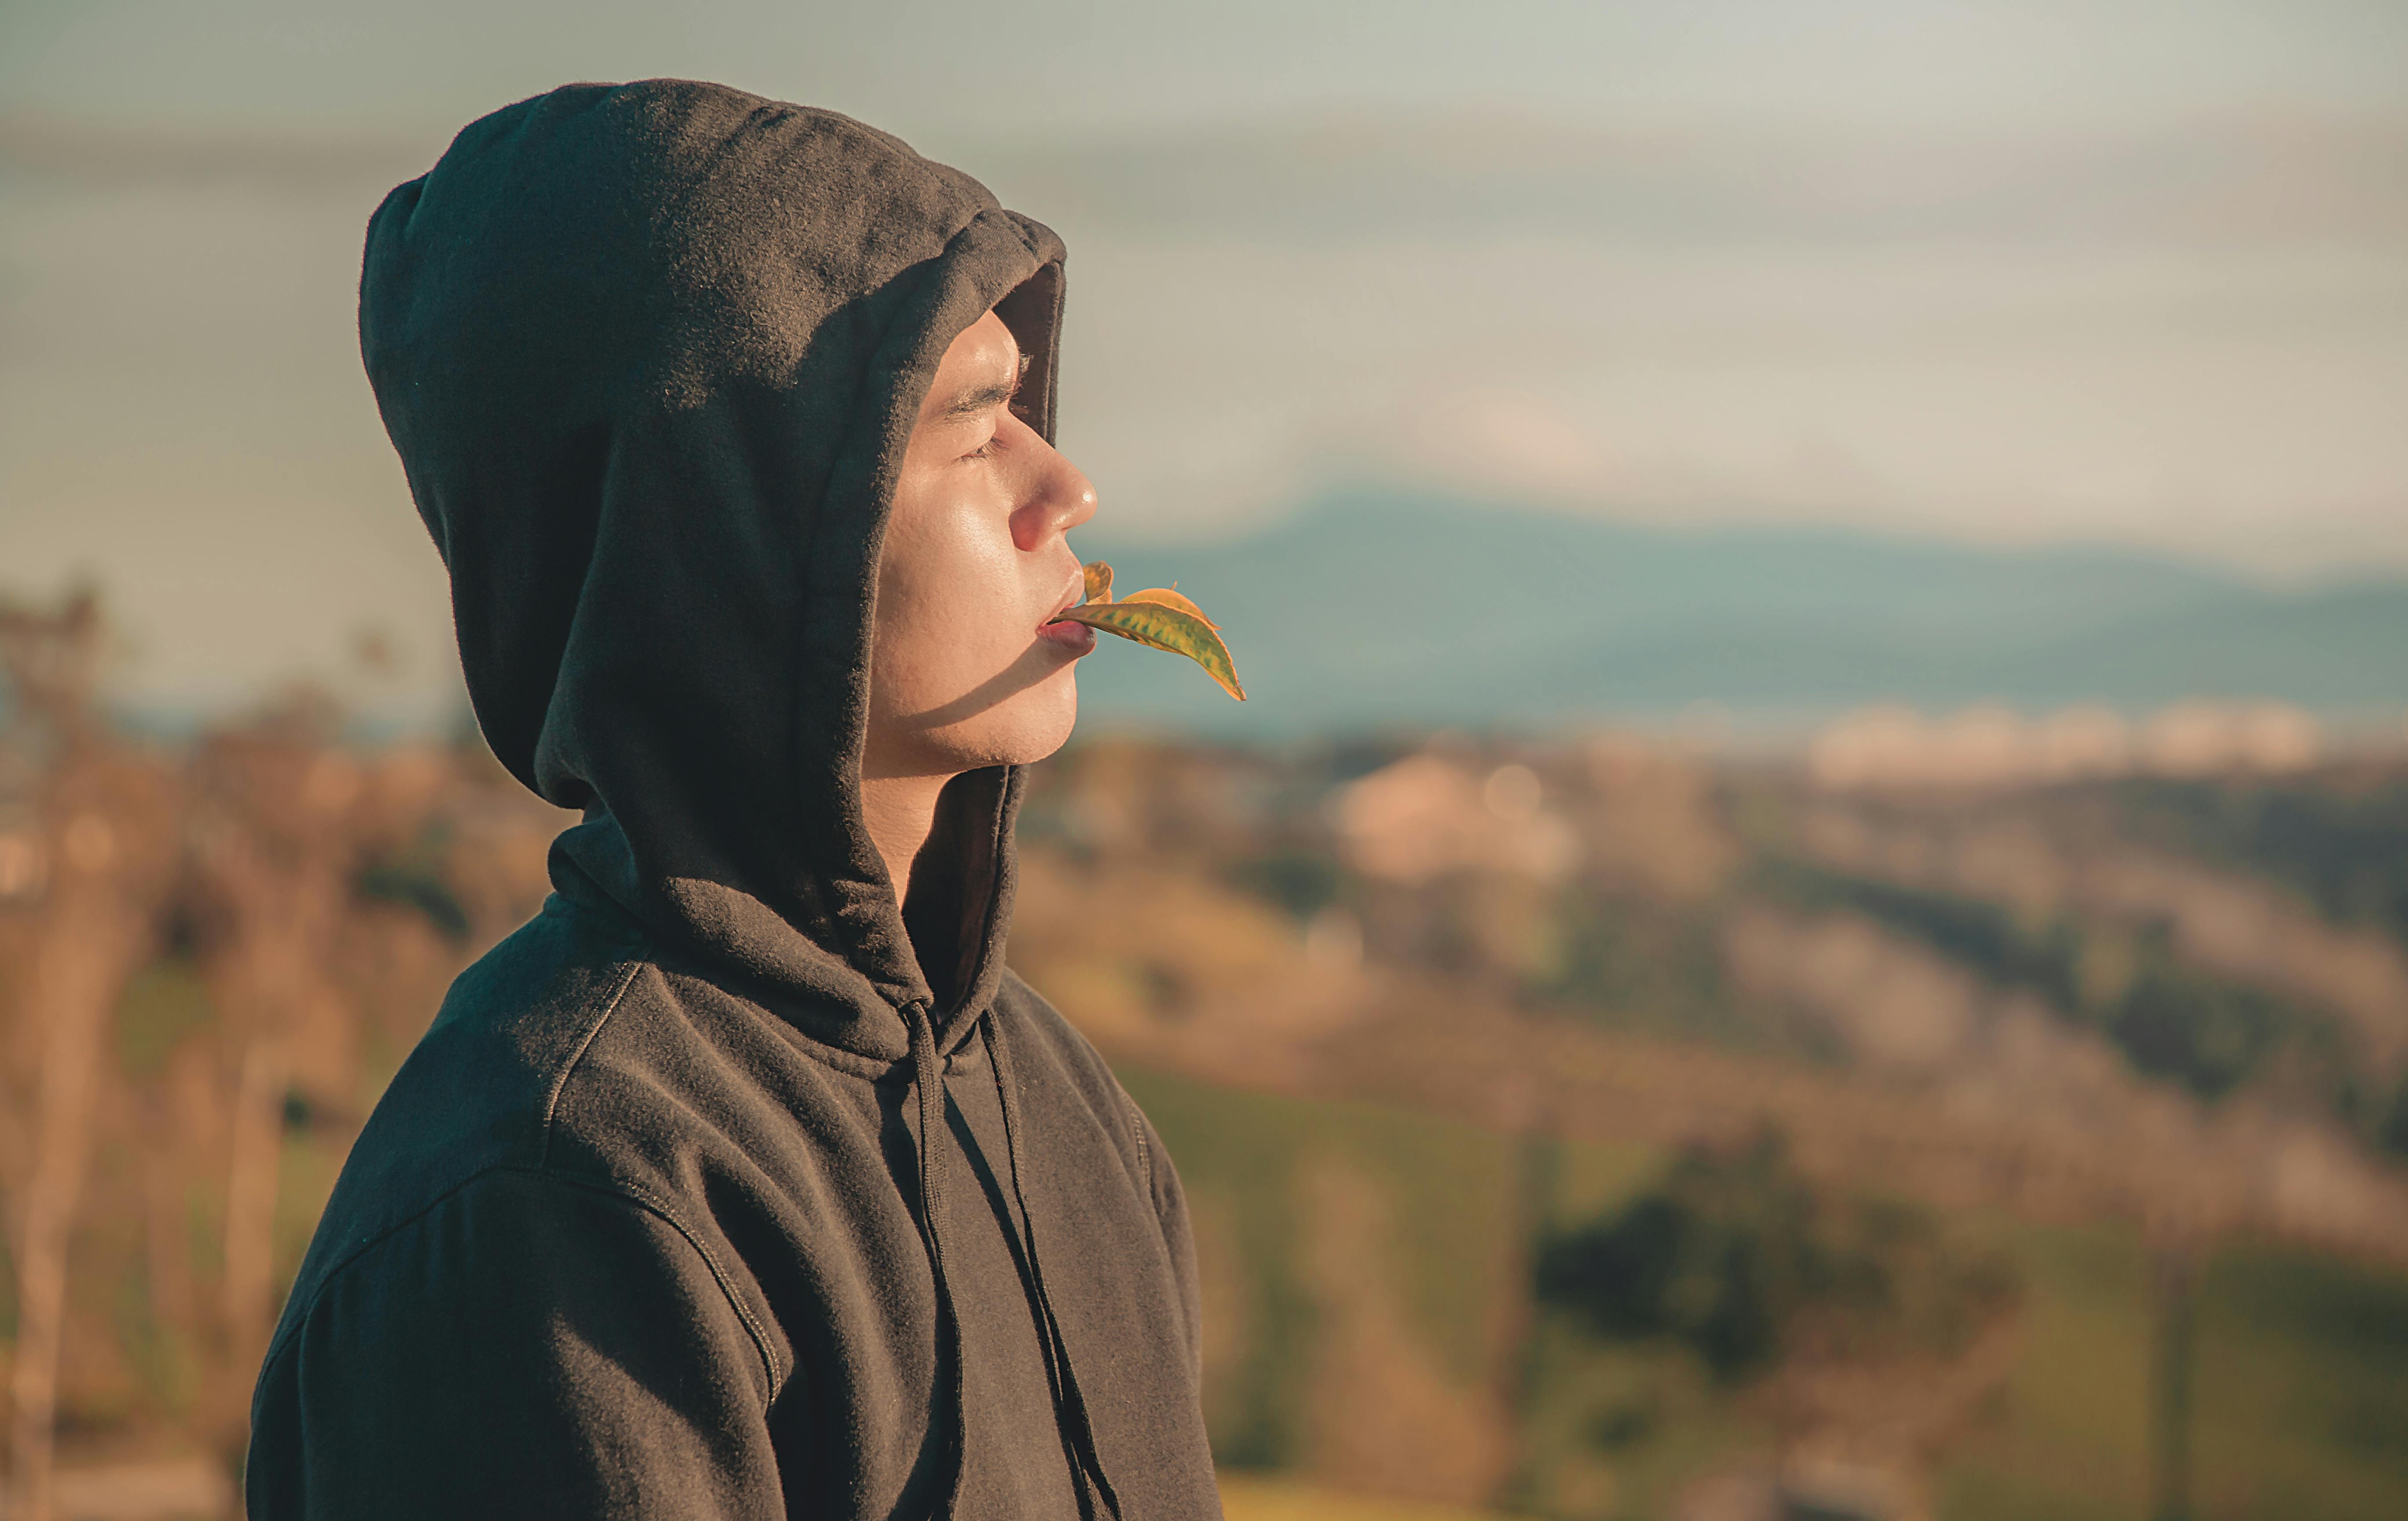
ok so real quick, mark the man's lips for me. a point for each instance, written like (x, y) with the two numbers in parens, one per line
(1074, 594)
(1076, 637)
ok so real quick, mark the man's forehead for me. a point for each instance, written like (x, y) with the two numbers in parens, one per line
(979, 369)
(986, 344)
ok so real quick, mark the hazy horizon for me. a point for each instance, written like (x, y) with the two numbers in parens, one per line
(2130, 275)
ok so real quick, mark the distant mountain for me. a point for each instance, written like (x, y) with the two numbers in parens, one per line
(1373, 608)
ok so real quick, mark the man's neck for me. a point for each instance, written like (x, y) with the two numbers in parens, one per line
(900, 811)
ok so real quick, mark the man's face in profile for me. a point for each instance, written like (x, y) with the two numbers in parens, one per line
(965, 670)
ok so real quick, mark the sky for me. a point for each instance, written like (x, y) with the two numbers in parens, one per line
(929, 65)
(2126, 272)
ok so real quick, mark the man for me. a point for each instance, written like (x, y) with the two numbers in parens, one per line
(744, 1181)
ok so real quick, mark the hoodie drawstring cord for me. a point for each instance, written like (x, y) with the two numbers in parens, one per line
(930, 1075)
(1007, 1090)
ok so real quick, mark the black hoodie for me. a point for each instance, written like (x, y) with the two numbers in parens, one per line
(698, 1200)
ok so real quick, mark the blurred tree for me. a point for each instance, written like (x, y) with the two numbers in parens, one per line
(104, 837)
(1734, 1257)
(283, 817)
(1865, 1332)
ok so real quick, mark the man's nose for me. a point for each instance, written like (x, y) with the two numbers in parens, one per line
(1065, 498)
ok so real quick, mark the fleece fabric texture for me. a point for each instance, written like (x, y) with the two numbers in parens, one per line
(701, 1198)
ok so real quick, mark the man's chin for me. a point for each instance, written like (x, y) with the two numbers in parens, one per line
(1048, 731)
(1032, 724)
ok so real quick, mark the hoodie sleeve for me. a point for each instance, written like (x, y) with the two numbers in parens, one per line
(529, 1347)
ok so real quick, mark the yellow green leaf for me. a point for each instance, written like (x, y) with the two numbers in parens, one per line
(1168, 596)
(1099, 580)
(1145, 619)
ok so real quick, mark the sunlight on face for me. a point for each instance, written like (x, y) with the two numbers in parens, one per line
(964, 671)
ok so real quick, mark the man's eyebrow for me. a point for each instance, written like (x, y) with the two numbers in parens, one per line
(971, 403)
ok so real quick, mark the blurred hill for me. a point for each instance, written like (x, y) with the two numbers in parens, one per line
(1393, 609)
(1588, 1128)
(2053, 1072)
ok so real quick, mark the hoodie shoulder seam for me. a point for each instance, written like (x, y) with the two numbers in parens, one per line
(1136, 1118)
(619, 1188)
(585, 1043)
(610, 1188)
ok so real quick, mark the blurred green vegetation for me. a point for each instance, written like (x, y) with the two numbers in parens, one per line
(2167, 1016)
(1464, 1124)
(2299, 1409)
(1736, 1259)
(2340, 842)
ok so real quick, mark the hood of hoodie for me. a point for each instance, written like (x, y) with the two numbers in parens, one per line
(651, 355)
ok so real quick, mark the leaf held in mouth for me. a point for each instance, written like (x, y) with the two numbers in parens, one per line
(1158, 617)
(1168, 596)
